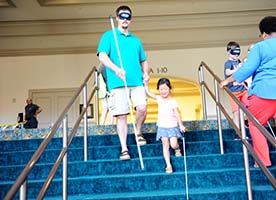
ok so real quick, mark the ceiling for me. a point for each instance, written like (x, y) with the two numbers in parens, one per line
(37, 27)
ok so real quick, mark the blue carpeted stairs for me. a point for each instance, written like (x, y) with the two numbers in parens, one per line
(211, 175)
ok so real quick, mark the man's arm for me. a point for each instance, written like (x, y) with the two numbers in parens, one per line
(145, 69)
(104, 58)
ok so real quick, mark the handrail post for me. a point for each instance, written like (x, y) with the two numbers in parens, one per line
(97, 99)
(85, 135)
(216, 84)
(201, 79)
(65, 160)
(23, 191)
(245, 157)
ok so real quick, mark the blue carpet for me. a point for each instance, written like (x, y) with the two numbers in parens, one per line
(211, 175)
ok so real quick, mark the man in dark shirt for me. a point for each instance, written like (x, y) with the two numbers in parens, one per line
(31, 111)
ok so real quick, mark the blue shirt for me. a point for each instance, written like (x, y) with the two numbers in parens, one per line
(234, 86)
(261, 65)
(132, 54)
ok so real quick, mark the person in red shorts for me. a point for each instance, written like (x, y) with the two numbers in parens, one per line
(238, 89)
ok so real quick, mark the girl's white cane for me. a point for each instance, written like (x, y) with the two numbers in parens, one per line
(127, 92)
(272, 132)
(185, 169)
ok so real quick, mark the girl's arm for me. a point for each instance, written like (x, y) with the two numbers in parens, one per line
(179, 121)
(149, 93)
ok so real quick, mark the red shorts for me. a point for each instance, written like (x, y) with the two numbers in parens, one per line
(242, 96)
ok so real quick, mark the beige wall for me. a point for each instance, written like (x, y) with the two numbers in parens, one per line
(19, 74)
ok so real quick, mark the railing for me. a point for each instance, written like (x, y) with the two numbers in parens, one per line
(21, 182)
(247, 147)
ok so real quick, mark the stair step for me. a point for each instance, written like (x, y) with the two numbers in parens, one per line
(107, 140)
(112, 152)
(146, 182)
(211, 175)
(153, 164)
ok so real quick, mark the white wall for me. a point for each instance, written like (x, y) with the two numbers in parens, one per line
(19, 74)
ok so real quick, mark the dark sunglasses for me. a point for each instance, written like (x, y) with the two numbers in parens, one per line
(236, 51)
(124, 15)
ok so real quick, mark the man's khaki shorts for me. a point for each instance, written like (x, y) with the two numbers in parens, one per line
(118, 101)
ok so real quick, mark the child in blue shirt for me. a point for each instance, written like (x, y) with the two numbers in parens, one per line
(238, 89)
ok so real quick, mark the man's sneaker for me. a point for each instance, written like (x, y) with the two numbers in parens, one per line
(124, 155)
(177, 152)
(141, 140)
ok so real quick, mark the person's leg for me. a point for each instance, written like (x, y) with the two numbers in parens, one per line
(244, 99)
(27, 124)
(174, 145)
(120, 108)
(104, 111)
(166, 154)
(32, 123)
(141, 111)
(122, 132)
(235, 111)
(263, 110)
(236, 118)
(35, 123)
(139, 99)
(109, 111)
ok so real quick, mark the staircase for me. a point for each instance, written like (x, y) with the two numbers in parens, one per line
(211, 175)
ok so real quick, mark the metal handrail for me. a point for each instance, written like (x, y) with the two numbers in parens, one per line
(240, 131)
(21, 181)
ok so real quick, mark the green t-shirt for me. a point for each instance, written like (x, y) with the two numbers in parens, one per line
(132, 54)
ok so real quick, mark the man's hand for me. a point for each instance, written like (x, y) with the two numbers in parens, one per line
(121, 73)
(146, 79)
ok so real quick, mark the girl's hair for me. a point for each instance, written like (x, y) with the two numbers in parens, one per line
(162, 81)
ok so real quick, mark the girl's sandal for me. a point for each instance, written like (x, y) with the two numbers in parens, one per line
(169, 170)
(177, 152)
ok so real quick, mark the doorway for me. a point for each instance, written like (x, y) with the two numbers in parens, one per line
(53, 102)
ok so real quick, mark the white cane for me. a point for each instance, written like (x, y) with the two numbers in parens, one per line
(185, 166)
(272, 132)
(127, 92)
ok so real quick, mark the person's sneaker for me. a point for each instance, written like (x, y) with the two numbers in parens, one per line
(141, 140)
(177, 153)
(124, 155)
(169, 170)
